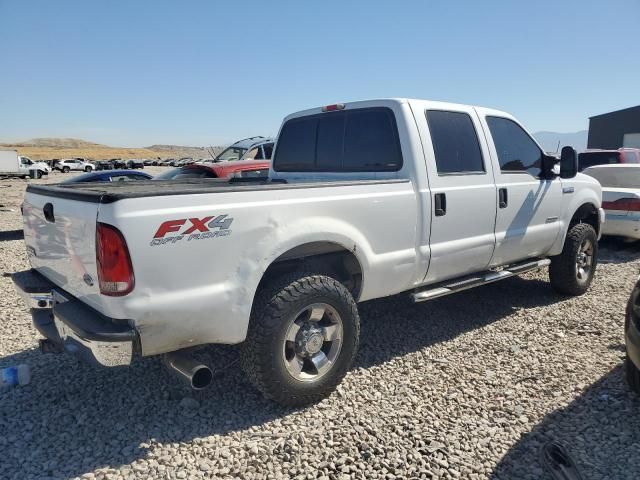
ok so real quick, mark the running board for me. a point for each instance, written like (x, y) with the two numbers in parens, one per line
(457, 285)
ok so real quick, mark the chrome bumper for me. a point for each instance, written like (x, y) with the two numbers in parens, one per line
(74, 326)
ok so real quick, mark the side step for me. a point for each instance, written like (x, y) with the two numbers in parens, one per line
(457, 285)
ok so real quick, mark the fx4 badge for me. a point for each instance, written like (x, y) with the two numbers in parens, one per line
(190, 229)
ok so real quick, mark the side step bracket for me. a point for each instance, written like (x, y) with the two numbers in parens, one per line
(456, 285)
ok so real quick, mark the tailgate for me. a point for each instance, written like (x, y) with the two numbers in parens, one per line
(620, 201)
(60, 236)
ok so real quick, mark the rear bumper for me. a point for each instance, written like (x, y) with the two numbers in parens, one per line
(72, 325)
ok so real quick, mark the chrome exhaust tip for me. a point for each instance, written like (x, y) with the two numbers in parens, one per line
(189, 370)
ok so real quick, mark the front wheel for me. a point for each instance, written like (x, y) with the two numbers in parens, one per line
(302, 338)
(572, 271)
(66, 169)
(87, 169)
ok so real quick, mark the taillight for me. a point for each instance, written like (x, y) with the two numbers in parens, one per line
(115, 273)
(624, 204)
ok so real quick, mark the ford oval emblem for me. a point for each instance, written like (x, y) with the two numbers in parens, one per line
(87, 279)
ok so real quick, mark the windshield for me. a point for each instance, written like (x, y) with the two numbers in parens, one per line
(182, 173)
(230, 154)
(589, 159)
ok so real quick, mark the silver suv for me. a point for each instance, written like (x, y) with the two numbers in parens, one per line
(78, 164)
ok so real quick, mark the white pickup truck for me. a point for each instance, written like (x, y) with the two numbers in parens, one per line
(364, 200)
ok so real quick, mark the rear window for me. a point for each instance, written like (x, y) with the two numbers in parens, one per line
(589, 159)
(345, 141)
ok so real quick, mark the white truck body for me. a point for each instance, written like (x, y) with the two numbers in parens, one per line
(200, 250)
(12, 164)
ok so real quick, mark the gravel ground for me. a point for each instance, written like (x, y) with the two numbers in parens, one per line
(467, 386)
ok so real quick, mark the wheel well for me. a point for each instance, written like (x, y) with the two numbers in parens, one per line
(321, 257)
(587, 213)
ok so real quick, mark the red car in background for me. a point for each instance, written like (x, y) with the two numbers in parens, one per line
(234, 169)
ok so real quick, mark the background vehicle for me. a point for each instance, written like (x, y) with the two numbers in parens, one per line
(103, 165)
(632, 339)
(590, 158)
(620, 198)
(134, 163)
(109, 176)
(76, 164)
(239, 168)
(364, 200)
(118, 163)
(149, 162)
(12, 164)
(252, 148)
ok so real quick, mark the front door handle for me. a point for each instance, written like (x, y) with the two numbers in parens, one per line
(440, 204)
(503, 199)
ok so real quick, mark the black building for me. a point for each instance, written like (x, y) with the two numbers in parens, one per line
(615, 129)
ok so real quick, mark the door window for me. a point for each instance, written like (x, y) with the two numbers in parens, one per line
(455, 143)
(517, 152)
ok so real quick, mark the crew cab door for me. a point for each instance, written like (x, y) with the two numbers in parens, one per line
(463, 192)
(529, 207)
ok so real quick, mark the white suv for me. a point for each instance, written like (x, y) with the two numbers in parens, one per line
(65, 166)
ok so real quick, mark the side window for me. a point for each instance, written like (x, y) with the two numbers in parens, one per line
(252, 154)
(455, 142)
(268, 150)
(517, 152)
(360, 140)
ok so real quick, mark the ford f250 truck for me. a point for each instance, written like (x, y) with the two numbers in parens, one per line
(363, 200)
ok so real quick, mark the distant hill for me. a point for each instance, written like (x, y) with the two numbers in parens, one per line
(52, 148)
(58, 143)
(549, 140)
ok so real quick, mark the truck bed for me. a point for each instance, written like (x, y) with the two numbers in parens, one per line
(109, 192)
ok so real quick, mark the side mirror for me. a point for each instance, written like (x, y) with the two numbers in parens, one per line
(568, 162)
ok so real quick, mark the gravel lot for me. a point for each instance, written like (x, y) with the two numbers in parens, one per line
(467, 386)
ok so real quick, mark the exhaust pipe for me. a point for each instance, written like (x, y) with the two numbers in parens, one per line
(188, 369)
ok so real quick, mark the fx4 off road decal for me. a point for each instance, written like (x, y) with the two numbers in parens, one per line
(190, 229)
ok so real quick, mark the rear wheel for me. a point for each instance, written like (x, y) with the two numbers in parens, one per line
(572, 271)
(87, 169)
(38, 174)
(302, 338)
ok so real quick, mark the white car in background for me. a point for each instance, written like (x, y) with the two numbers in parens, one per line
(620, 198)
(78, 164)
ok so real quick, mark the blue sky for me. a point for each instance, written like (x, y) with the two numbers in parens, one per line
(134, 73)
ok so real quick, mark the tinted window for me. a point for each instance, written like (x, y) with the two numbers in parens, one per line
(517, 152)
(455, 142)
(345, 141)
(296, 145)
(268, 150)
(589, 159)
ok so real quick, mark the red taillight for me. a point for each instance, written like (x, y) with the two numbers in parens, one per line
(625, 204)
(333, 108)
(115, 273)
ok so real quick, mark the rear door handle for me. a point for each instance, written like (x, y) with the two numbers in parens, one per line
(503, 199)
(440, 204)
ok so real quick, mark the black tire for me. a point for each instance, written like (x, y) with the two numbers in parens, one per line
(632, 374)
(66, 169)
(87, 169)
(276, 306)
(38, 174)
(564, 271)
